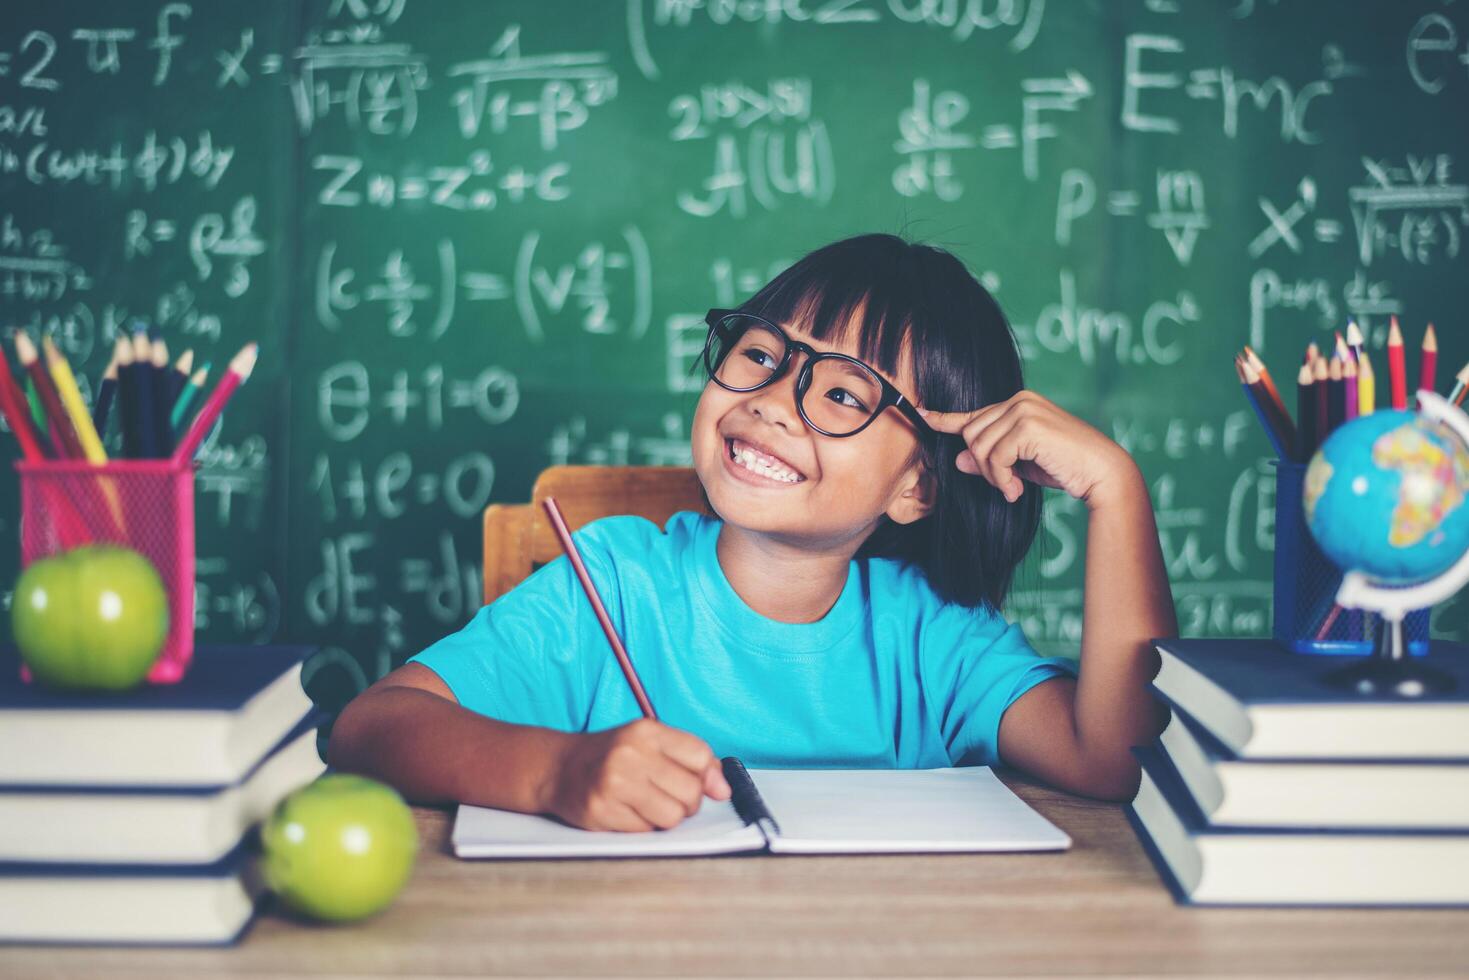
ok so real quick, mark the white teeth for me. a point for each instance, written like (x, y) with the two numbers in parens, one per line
(750, 461)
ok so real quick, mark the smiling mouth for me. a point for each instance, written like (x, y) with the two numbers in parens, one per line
(762, 464)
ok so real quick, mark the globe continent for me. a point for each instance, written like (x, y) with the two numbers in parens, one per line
(1386, 495)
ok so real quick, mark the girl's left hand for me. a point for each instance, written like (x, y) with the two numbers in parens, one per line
(1026, 437)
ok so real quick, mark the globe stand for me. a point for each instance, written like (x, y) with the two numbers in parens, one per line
(1389, 670)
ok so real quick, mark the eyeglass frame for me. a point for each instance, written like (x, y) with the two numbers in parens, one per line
(891, 396)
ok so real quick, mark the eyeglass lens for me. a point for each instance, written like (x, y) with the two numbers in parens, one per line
(841, 397)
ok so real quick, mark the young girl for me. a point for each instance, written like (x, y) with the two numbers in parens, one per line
(842, 608)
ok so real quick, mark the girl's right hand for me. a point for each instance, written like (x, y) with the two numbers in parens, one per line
(639, 776)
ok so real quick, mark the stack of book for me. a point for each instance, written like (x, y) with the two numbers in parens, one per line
(1271, 787)
(130, 817)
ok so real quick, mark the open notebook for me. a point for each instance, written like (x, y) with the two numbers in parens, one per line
(795, 811)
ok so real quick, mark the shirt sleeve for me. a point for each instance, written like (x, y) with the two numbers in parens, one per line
(524, 658)
(973, 674)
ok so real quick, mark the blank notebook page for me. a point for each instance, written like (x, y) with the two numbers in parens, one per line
(483, 832)
(856, 810)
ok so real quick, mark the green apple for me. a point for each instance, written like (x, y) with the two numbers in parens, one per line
(93, 617)
(340, 848)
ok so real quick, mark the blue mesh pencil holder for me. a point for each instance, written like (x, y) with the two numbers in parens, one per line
(1306, 619)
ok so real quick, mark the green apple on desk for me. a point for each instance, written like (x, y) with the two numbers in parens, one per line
(93, 617)
(340, 848)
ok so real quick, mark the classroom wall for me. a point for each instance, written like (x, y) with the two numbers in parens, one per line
(478, 239)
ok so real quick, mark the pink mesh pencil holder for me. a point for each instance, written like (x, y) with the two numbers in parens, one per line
(143, 504)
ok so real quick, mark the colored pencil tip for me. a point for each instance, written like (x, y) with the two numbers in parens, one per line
(244, 362)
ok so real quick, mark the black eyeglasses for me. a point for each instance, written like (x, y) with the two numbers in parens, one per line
(744, 352)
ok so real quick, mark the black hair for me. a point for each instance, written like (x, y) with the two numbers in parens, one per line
(964, 357)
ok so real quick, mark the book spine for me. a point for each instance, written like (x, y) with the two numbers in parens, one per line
(746, 798)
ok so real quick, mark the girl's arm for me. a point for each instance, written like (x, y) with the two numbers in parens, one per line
(1078, 734)
(409, 731)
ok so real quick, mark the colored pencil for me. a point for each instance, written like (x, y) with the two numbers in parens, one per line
(144, 423)
(1396, 372)
(1282, 416)
(182, 368)
(71, 397)
(106, 392)
(237, 374)
(163, 397)
(1273, 403)
(72, 531)
(1366, 385)
(127, 397)
(1305, 413)
(1342, 350)
(1461, 385)
(1320, 376)
(18, 415)
(1336, 400)
(186, 397)
(1428, 367)
(1258, 397)
(558, 523)
(71, 400)
(38, 414)
(1352, 401)
(56, 417)
(1355, 340)
(1312, 352)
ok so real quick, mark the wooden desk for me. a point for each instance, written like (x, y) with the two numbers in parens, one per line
(1098, 908)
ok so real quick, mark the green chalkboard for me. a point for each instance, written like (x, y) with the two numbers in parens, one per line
(478, 239)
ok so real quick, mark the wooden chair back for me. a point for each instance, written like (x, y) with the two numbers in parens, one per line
(518, 538)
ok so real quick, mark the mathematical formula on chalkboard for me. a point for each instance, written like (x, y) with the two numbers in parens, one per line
(475, 240)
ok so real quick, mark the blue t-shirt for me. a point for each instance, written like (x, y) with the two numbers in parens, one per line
(891, 677)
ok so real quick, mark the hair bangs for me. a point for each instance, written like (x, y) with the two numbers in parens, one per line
(835, 297)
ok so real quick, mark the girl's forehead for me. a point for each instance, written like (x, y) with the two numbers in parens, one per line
(844, 339)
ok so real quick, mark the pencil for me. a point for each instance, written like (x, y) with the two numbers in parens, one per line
(1258, 398)
(38, 414)
(1341, 346)
(237, 374)
(56, 417)
(1336, 401)
(1282, 417)
(71, 396)
(1428, 367)
(1351, 400)
(144, 427)
(162, 398)
(1396, 372)
(182, 368)
(1311, 353)
(1355, 339)
(1320, 376)
(127, 397)
(71, 399)
(558, 523)
(186, 397)
(72, 531)
(1461, 385)
(106, 391)
(1366, 385)
(17, 414)
(1305, 413)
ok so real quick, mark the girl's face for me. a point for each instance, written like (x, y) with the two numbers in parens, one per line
(818, 492)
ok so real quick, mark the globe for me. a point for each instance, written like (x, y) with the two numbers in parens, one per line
(1387, 495)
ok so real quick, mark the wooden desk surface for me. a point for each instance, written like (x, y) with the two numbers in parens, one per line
(1096, 909)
